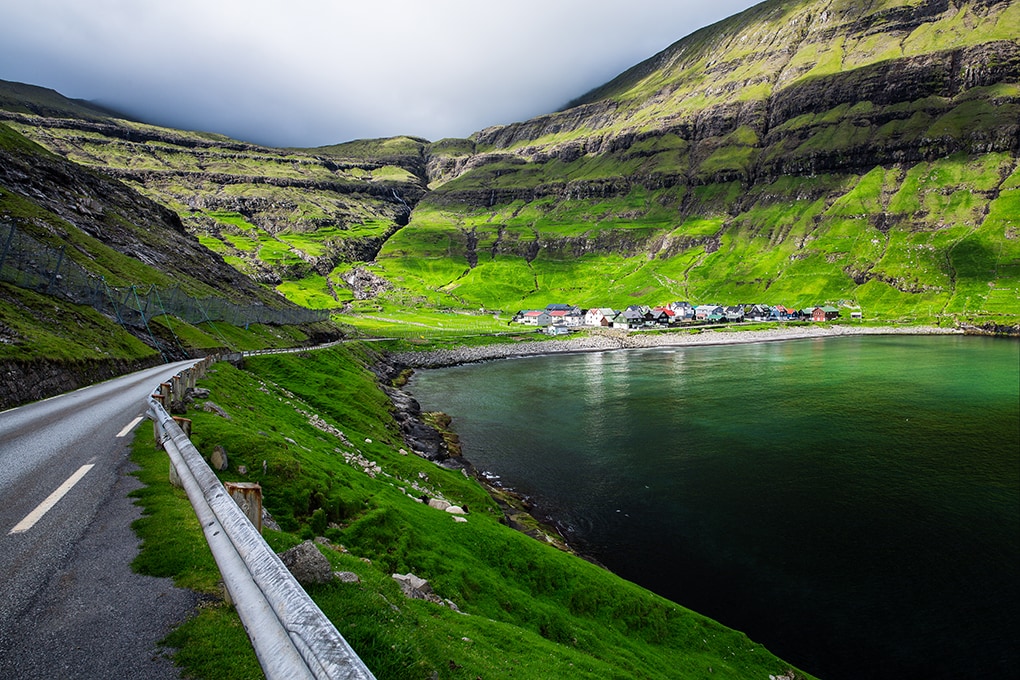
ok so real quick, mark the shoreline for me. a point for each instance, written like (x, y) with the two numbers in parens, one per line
(606, 340)
(543, 525)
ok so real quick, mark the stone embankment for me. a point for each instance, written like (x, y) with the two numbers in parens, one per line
(609, 340)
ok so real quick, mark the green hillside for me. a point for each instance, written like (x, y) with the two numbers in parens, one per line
(799, 153)
(97, 280)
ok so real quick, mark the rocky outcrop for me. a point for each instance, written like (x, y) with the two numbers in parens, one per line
(122, 219)
(423, 439)
(22, 382)
(365, 284)
(417, 588)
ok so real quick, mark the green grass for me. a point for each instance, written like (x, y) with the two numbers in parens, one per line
(39, 327)
(798, 241)
(213, 642)
(529, 609)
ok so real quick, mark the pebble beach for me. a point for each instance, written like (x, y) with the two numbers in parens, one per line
(609, 340)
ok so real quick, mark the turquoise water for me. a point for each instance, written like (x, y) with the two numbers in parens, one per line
(851, 503)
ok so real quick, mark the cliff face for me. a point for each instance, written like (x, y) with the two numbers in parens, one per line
(117, 217)
(783, 88)
(800, 151)
(276, 213)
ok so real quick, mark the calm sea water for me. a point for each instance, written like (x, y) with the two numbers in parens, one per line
(851, 503)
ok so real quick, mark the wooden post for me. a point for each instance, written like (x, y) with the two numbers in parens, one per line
(184, 424)
(164, 391)
(248, 496)
(175, 479)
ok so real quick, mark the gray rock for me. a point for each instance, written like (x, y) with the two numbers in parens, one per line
(267, 520)
(346, 577)
(218, 459)
(415, 587)
(212, 407)
(307, 564)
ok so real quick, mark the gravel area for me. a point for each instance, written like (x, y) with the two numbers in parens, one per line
(607, 340)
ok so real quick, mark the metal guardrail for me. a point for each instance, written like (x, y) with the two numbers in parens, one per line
(292, 638)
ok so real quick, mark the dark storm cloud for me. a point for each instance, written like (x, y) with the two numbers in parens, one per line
(310, 72)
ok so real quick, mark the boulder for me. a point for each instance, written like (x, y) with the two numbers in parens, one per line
(415, 587)
(307, 564)
(418, 588)
(438, 503)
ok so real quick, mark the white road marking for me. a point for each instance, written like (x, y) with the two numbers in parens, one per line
(44, 507)
(130, 426)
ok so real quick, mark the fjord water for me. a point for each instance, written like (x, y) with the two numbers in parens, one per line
(851, 503)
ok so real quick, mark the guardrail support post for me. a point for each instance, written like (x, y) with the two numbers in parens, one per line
(184, 424)
(248, 496)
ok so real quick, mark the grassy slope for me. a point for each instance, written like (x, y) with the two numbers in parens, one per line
(532, 611)
(935, 240)
(37, 327)
(286, 214)
(948, 248)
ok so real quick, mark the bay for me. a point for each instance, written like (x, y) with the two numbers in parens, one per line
(851, 503)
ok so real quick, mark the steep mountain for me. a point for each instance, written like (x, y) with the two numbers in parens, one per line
(96, 279)
(275, 214)
(801, 152)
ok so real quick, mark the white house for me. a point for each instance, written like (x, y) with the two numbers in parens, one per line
(567, 317)
(599, 316)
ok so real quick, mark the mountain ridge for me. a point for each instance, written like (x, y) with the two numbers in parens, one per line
(745, 142)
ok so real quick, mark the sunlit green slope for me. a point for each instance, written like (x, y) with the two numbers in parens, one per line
(798, 153)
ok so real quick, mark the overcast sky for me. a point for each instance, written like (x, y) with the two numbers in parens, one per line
(317, 72)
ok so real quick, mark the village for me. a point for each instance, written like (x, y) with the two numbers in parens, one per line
(561, 319)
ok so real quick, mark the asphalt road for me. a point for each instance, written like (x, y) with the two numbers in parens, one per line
(70, 606)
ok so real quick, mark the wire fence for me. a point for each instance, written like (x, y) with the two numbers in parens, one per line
(29, 263)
